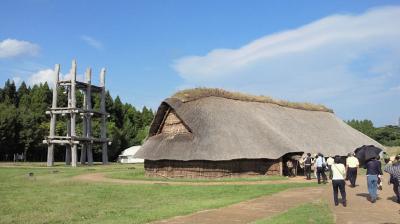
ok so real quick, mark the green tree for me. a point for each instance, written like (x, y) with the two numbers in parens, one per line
(8, 137)
(9, 93)
(388, 135)
(23, 91)
(141, 135)
(364, 126)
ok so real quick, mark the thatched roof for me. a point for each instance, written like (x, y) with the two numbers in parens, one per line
(198, 93)
(221, 128)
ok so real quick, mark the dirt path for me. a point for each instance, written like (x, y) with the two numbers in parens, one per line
(252, 210)
(359, 210)
(101, 177)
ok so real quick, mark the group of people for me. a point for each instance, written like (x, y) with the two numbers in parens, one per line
(340, 171)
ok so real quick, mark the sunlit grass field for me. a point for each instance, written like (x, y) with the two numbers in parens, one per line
(51, 196)
(310, 213)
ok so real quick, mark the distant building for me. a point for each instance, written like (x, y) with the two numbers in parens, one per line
(212, 133)
(128, 155)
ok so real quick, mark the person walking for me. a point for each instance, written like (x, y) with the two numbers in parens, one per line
(321, 166)
(289, 165)
(352, 164)
(393, 168)
(330, 162)
(338, 183)
(307, 165)
(374, 171)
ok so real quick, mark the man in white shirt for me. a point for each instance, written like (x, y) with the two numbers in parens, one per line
(321, 164)
(352, 164)
(338, 175)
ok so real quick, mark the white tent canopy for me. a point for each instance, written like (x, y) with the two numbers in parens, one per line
(128, 155)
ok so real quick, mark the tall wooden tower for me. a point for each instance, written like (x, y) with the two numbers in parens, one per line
(72, 140)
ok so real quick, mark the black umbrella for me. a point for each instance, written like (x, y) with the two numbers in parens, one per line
(367, 152)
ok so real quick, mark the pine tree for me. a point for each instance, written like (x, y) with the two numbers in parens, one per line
(23, 90)
(8, 137)
(10, 93)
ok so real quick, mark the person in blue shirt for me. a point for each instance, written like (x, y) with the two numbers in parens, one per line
(320, 163)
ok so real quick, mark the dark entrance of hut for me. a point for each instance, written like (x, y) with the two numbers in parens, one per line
(291, 164)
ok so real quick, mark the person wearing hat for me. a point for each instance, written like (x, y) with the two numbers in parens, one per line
(352, 164)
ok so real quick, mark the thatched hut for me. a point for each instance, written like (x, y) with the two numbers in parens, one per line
(214, 133)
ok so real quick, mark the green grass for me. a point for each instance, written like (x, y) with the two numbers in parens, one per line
(392, 151)
(136, 172)
(318, 213)
(51, 196)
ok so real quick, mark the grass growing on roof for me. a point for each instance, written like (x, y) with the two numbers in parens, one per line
(310, 213)
(51, 196)
(198, 93)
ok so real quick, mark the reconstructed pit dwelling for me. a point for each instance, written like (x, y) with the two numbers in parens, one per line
(212, 133)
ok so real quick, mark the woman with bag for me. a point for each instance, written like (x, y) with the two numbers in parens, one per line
(338, 183)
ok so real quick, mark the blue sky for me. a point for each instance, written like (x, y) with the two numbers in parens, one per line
(343, 54)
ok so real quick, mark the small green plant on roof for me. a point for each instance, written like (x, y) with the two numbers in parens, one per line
(188, 95)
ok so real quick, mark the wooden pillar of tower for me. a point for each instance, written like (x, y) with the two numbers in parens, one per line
(74, 146)
(50, 149)
(84, 128)
(68, 121)
(103, 116)
(88, 79)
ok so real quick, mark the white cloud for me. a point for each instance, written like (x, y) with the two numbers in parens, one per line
(92, 42)
(12, 48)
(343, 61)
(48, 75)
(42, 76)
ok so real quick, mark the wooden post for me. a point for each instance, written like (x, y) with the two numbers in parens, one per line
(281, 166)
(50, 149)
(84, 123)
(103, 116)
(68, 146)
(73, 114)
(88, 78)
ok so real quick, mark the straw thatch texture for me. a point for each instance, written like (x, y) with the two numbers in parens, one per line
(226, 129)
(172, 124)
(211, 169)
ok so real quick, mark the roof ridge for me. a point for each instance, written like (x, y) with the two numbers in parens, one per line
(188, 95)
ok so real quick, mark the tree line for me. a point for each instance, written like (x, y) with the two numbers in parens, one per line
(24, 124)
(388, 135)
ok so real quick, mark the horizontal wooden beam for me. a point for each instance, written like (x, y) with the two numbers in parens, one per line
(77, 138)
(69, 110)
(81, 85)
